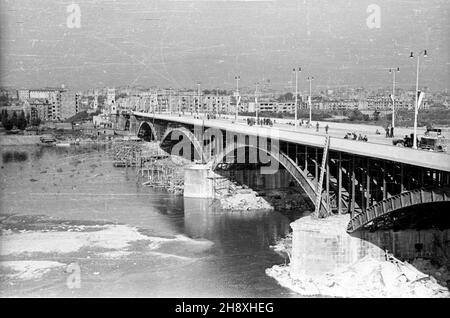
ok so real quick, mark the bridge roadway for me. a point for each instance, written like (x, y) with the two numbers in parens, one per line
(421, 158)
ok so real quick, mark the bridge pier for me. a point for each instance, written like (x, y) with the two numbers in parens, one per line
(198, 182)
(322, 245)
(134, 125)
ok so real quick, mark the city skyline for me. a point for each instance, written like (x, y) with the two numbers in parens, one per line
(139, 43)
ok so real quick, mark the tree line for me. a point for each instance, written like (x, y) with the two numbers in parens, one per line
(20, 121)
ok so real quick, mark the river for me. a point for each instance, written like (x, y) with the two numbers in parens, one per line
(163, 245)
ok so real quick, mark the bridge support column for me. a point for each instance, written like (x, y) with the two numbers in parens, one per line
(323, 245)
(197, 182)
(134, 125)
(121, 122)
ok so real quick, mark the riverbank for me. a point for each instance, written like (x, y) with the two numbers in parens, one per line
(19, 140)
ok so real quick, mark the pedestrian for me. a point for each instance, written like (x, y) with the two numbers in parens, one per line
(387, 132)
(317, 126)
(392, 131)
(326, 129)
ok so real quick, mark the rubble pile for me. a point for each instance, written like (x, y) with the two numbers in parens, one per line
(440, 273)
(244, 200)
(287, 199)
(241, 198)
(368, 277)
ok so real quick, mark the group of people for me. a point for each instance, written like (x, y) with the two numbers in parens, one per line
(353, 136)
(326, 128)
(260, 121)
(389, 131)
(307, 124)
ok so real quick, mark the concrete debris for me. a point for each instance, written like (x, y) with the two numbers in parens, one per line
(244, 201)
(367, 277)
(240, 198)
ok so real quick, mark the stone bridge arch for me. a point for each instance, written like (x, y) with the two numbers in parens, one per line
(423, 196)
(147, 131)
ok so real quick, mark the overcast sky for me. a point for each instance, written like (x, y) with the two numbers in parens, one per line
(177, 43)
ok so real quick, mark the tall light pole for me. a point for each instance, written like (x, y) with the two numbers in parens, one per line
(256, 101)
(198, 97)
(296, 95)
(310, 79)
(217, 102)
(393, 71)
(416, 106)
(236, 94)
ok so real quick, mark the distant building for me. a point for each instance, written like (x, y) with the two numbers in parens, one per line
(95, 102)
(23, 94)
(68, 105)
(110, 96)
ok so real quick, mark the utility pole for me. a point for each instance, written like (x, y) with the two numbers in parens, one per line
(238, 98)
(198, 97)
(416, 106)
(256, 101)
(296, 95)
(393, 71)
(217, 102)
(310, 79)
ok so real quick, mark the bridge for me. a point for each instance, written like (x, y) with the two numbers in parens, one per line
(367, 180)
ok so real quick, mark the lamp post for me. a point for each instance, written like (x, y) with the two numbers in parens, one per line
(393, 71)
(237, 78)
(198, 97)
(217, 103)
(296, 96)
(256, 101)
(416, 106)
(310, 79)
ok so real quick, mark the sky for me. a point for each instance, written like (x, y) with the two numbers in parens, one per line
(177, 43)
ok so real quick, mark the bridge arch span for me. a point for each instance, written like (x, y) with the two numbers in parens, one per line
(423, 196)
(147, 131)
(274, 152)
(167, 142)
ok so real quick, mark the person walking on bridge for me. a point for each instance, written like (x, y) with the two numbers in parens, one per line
(326, 129)
(317, 126)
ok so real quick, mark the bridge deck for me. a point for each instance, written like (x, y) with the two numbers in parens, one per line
(422, 158)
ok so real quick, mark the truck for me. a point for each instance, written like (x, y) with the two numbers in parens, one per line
(432, 140)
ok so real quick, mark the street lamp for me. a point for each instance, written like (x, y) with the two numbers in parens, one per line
(296, 95)
(198, 97)
(393, 71)
(416, 106)
(217, 102)
(256, 101)
(310, 79)
(236, 94)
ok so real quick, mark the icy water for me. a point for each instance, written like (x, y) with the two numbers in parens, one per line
(154, 245)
